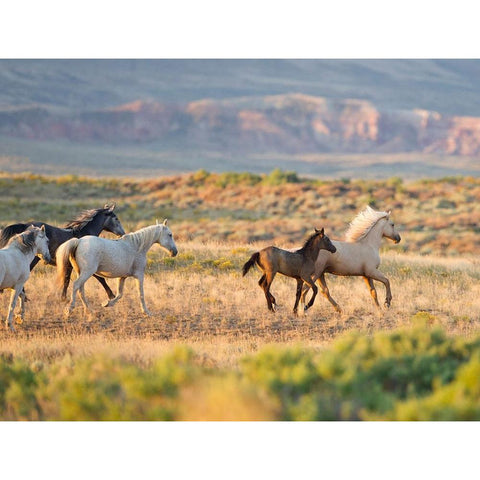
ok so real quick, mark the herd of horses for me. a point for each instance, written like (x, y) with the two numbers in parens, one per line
(78, 246)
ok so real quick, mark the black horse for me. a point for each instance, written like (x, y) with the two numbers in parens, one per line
(89, 222)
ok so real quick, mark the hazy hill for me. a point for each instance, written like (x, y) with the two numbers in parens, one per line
(177, 115)
(446, 86)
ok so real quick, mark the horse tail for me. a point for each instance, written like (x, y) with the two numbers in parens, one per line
(11, 230)
(65, 253)
(250, 263)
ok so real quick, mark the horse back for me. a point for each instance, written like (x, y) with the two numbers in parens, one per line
(351, 258)
(282, 261)
(107, 257)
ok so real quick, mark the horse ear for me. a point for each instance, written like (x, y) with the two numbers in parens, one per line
(42, 227)
(156, 221)
(108, 207)
(165, 222)
(389, 212)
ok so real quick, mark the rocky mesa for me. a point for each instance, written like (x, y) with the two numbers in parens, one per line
(291, 123)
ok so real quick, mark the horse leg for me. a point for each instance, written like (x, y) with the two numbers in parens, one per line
(298, 295)
(305, 289)
(261, 283)
(326, 293)
(22, 306)
(266, 288)
(139, 281)
(308, 280)
(78, 285)
(86, 305)
(113, 301)
(33, 263)
(104, 283)
(13, 301)
(380, 277)
(372, 290)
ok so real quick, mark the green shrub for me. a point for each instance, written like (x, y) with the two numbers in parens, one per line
(18, 383)
(359, 376)
(280, 177)
(102, 388)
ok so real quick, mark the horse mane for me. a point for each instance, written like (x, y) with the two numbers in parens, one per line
(24, 241)
(8, 232)
(307, 243)
(143, 237)
(85, 217)
(361, 225)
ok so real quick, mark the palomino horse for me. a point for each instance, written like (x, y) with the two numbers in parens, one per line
(299, 264)
(359, 254)
(15, 261)
(89, 222)
(121, 258)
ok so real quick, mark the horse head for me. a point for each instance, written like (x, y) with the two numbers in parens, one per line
(389, 229)
(111, 222)
(165, 238)
(324, 242)
(39, 239)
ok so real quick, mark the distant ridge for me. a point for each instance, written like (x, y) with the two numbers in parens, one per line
(291, 124)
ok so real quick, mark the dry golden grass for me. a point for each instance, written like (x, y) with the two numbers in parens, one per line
(201, 299)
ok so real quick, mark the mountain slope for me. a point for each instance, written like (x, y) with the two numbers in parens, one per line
(446, 86)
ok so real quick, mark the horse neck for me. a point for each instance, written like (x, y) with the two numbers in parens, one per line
(141, 240)
(312, 251)
(375, 235)
(93, 227)
(28, 254)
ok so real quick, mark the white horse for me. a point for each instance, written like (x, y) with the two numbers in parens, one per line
(15, 259)
(120, 258)
(359, 254)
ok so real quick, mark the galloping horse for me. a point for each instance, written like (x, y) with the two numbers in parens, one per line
(299, 264)
(89, 222)
(15, 261)
(120, 258)
(359, 254)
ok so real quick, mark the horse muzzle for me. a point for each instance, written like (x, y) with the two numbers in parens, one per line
(173, 253)
(397, 239)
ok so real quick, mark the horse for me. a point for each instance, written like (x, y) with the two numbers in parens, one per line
(358, 255)
(119, 258)
(15, 259)
(299, 264)
(88, 222)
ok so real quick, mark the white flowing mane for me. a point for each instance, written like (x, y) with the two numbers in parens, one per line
(363, 223)
(142, 238)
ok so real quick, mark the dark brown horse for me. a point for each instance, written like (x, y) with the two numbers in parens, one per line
(89, 222)
(299, 264)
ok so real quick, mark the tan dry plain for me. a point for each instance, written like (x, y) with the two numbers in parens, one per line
(200, 299)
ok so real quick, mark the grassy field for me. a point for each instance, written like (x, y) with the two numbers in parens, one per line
(211, 350)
